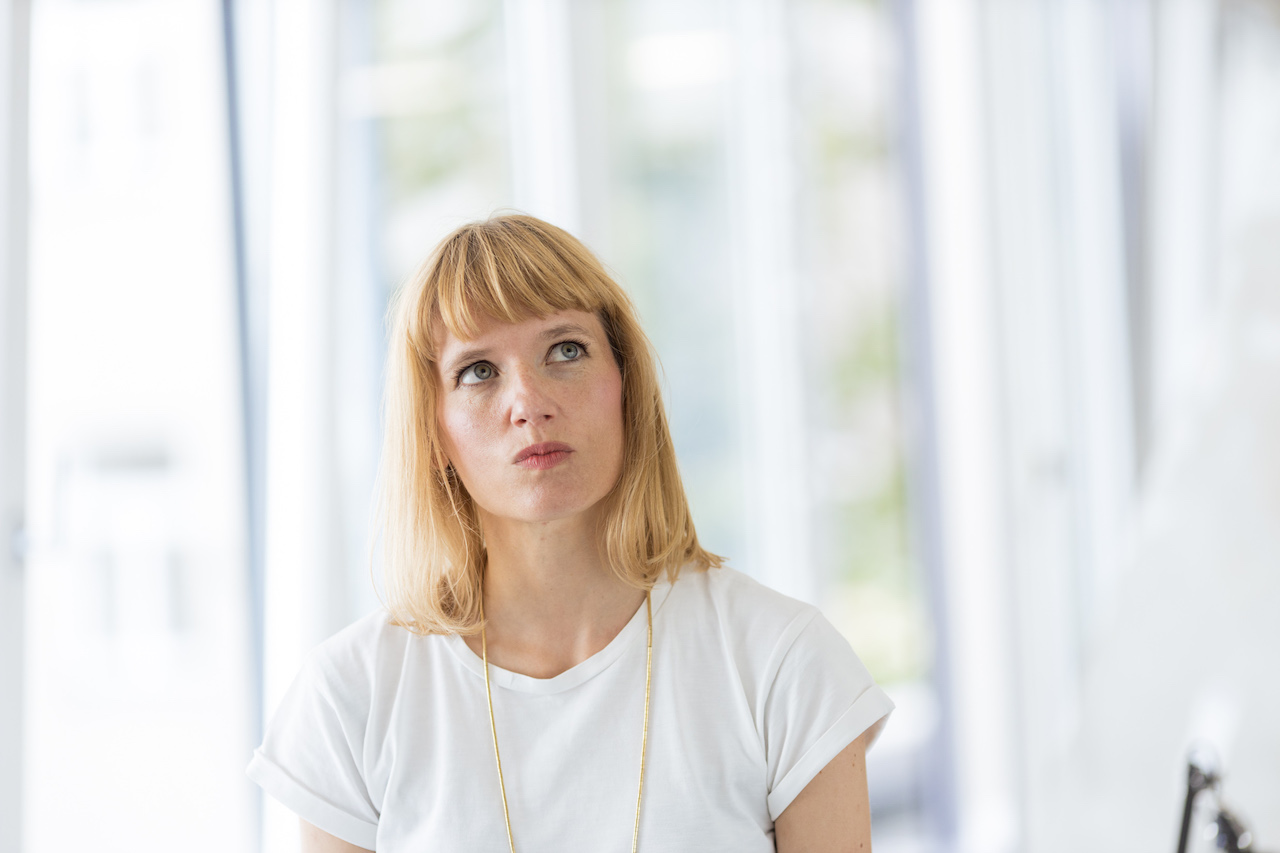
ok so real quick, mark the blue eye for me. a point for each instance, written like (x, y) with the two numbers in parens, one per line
(476, 373)
(567, 351)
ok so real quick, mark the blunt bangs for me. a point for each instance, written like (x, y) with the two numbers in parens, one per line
(510, 270)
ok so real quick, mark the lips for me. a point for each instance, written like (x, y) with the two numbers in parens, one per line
(543, 455)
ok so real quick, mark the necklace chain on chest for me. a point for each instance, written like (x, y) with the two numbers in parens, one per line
(644, 733)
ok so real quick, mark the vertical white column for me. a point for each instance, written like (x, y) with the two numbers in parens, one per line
(1030, 264)
(766, 302)
(963, 316)
(1183, 206)
(1057, 271)
(1095, 298)
(14, 41)
(301, 536)
(543, 135)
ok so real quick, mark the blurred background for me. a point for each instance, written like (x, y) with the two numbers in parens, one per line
(969, 313)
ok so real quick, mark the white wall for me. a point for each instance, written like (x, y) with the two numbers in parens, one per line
(1186, 655)
(13, 409)
(1102, 624)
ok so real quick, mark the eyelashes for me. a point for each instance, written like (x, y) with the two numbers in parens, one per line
(483, 371)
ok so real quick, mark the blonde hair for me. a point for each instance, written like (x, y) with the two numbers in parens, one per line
(512, 268)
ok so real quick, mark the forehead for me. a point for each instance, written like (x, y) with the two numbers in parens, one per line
(490, 331)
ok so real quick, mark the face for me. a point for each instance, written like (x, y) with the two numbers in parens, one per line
(530, 416)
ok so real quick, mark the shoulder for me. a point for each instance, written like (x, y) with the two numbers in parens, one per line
(771, 639)
(742, 608)
(362, 639)
(351, 664)
(737, 620)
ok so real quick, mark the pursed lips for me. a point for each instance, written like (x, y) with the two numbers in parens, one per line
(544, 455)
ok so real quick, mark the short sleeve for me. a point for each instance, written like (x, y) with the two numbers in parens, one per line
(821, 699)
(310, 758)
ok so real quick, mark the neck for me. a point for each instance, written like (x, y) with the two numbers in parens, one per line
(550, 601)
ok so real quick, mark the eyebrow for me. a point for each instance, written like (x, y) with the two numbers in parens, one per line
(478, 354)
(566, 329)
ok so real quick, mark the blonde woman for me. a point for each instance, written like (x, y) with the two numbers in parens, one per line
(560, 665)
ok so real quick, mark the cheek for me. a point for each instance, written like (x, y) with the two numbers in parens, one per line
(608, 405)
(463, 429)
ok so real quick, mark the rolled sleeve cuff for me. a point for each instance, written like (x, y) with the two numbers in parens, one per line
(868, 708)
(309, 806)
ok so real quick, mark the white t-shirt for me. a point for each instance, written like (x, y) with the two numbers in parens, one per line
(383, 740)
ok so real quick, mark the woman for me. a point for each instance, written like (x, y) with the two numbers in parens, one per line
(561, 666)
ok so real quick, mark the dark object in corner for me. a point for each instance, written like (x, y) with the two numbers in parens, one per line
(1231, 835)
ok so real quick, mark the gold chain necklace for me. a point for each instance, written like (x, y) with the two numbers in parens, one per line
(644, 735)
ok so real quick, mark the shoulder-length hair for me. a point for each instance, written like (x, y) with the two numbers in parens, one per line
(512, 268)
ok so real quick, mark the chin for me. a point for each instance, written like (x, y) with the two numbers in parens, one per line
(547, 514)
(545, 508)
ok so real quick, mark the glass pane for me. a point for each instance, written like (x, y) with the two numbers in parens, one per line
(851, 247)
(138, 692)
(424, 122)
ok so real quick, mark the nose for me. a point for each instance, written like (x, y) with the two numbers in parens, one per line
(531, 403)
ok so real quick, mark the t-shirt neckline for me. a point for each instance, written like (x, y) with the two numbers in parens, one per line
(575, 675)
